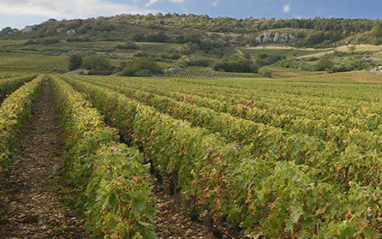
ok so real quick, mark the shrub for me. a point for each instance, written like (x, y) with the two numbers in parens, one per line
(199, 61)
(128, 45)
(75, 62)
(142, 67)
(78, 39)
(141, 54)
(265, 73)
(341, 68)
(97, 65)
(324, 65)
(44, 41)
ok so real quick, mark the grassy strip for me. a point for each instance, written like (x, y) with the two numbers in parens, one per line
(14, 112)
(111, 182)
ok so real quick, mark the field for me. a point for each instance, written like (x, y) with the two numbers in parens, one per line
(295, 156)
(22, 62)
(203, 72)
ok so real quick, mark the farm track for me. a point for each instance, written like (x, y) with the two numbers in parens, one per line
(31, 205)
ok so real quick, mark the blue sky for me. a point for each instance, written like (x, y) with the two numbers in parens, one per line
(19, 13)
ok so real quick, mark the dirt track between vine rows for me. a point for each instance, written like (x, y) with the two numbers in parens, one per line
(31, 197)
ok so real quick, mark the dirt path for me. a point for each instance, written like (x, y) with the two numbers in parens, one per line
(239, 51)
(31, 205)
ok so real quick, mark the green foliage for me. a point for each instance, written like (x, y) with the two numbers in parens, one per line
(176, 28)
(278, 166)
(75, 62)
(111, 182)
(199, 61)
(78, 39)
(10, 84)
(265, 73)
(235, 63)
(33, 63)
(324, 64)
(142, 67)
(352, 49)
(128, 45)
(203, 72)
(342, 68)
(97, 65)
(14, 112)
(45, 41)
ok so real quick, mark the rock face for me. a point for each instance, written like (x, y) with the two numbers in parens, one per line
(275, 37)
(71, 32)
(28, 29)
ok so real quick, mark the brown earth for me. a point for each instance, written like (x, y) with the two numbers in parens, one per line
(31, 197)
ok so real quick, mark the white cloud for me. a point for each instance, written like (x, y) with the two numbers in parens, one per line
(215, 3)
(154, 1)
(151, 2)
(286, 8)
(67, 8)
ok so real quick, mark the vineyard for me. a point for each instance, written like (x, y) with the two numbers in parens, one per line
(202, 72)
(296, 157)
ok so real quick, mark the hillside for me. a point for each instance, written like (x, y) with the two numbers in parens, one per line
(177, 42)
(182, 28)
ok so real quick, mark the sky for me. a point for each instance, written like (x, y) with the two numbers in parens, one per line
(20, 13)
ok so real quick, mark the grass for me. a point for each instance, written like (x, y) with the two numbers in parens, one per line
(361, 48)
(281, 52)
(204, 72)
(353, 77)
(289, 72)
(11, 42)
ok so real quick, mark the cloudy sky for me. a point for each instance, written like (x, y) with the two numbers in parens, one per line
(19, 13)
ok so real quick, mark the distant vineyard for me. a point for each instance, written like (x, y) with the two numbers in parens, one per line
(20, 62)
(202, 72)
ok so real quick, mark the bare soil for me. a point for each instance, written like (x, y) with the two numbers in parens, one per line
(31, 197)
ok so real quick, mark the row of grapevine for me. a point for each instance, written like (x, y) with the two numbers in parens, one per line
(8, 85)
(261, 96)
(269, 105)
(330, 129)
(263, 197)
(301, 89)
(262, 139)
(319, 107)
(273, 144)
(203, 72)
(111, 182)
(14, 112)
(5, 75)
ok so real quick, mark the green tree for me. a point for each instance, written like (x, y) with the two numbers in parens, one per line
(324, 65)
(238, 63)
(97, 65)
(142, 67)
(75, 62)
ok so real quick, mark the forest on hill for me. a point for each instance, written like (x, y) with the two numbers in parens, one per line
(169, 43)
(205, 30)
